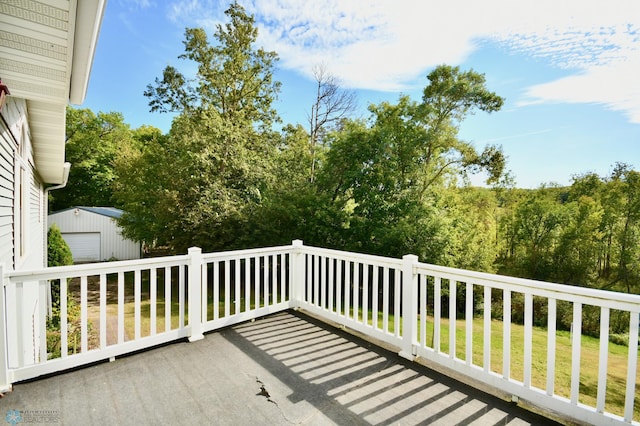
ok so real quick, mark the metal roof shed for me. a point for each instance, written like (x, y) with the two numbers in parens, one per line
(93, 234)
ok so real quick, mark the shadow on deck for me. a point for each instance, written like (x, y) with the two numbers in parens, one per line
(283, 369)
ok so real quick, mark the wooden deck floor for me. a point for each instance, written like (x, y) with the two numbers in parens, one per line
(283, 369)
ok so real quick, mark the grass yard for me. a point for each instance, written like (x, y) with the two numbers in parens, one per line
(589, 358)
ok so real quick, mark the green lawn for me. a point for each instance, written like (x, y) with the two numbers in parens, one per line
(589, 358)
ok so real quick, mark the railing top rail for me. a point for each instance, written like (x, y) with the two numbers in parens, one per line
(95, 268)
(527, 284)
(231, 254)
(346, 255)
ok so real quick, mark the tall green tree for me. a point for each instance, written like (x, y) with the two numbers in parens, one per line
(217, 161)
(389, 170)
(577, 250)
(92, 142)
(233, 78)
(538, 221)
(622, 199)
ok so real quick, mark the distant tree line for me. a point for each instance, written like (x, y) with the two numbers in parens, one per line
(230, 175)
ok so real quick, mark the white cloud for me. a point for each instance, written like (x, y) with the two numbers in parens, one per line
(385, 45)
(616, 87)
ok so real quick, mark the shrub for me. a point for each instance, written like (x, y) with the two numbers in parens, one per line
(58, 251)
(59, 254)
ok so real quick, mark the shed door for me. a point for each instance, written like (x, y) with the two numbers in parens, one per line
(85, 246)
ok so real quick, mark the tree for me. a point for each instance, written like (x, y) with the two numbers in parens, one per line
(331, 105)
(217, 161)
(58, 251)
(233, 78)
(92, 142)
(576, 254)
(390, 169)
(623, 193)
(537, 222)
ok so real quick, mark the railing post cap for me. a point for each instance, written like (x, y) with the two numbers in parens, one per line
(195, 250)
(410, 257)
(296, 243)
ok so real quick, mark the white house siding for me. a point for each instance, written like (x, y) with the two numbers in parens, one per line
(77, 221)
(21, 229)
(7, 152)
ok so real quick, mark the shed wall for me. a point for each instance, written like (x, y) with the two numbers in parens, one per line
(112, 244)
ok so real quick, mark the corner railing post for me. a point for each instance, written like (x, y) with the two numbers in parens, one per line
(409, 306)
(297, 274)
(4, 350)
(195, 294)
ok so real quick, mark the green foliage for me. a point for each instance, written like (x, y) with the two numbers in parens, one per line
(58, 251)
(59, 254)
(200, 183)
(390, 174)
(74, 332)
(92, 142)
(234, 78)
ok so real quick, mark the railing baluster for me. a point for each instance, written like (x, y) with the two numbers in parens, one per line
(83, 315)
(227, 288)
(316, 278)
(256, 282)
(42, 316)
(347, 288)
(274, 277)
(551, 346)
(528, 337)
(137, 302)
(167, 298)
(422, 280)
(356, 290)
(103, 311)
(506, 334)
(216, 289)
(283, 277)
(468, 320)
(339, 287)
(632, 367)
(374, 298)
(120, 307)
(331, 280)
(323, 282)
(486, 339)
(437, 312)
(64, 325)
(236, 301)
(385, 299)
(204, 309)
(309, 265)
(247, 284)
(365, 293)
(153, 300)
(265, 280)
(397, 300)
(452, 317)
(603, 359)
(181, 298)
(576, 341)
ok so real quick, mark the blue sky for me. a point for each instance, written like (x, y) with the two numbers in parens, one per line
(569, 70)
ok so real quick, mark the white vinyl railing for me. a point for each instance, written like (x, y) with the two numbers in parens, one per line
(480, 325)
